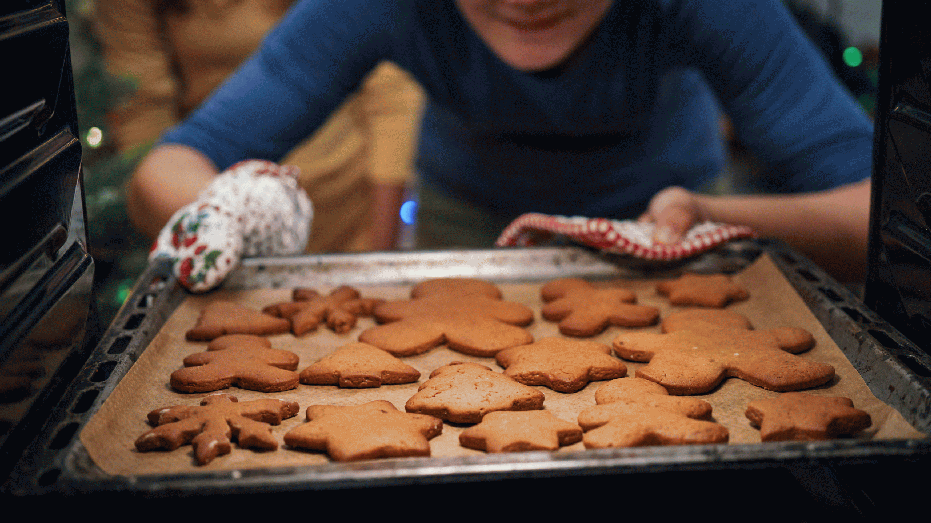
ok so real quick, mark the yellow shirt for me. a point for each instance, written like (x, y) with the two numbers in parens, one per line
(177, 57)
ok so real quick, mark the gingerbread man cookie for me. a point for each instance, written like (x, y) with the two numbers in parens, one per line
(562, 364)
(339, 310)
(241, 360)
(519, 431)
(635, 424)
(650, 394)
(706, 290)
(221, 317)
(584, 310)
(452, 311)
(368, 431)
(465, 392)
(806, 417)
(694, 360)
(359, 365)
(209, 426)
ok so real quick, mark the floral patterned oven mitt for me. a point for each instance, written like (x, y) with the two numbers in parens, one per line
(626, 237)
(254, 208)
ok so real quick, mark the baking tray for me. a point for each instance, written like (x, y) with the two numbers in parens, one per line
(897, 371)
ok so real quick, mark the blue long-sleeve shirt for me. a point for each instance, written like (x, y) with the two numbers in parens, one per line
(634, 110)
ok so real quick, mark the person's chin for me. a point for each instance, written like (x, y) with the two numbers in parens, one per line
(532, 59)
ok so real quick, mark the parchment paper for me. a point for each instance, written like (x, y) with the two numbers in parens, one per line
(110, 434)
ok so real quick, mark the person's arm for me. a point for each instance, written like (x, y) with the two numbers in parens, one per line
(392, 102)
(829, 227)
(169, 177)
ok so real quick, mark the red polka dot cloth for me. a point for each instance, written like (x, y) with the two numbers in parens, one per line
(626, 237)
(254, 208)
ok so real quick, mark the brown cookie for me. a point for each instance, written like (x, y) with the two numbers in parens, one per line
(339, 310)
(451, 311)
(562, 364)
(696, 359)
(220, 318)
(359, 365)
(722, 317)
(369, 431)
(585, 310)
(650, 394)
(465, 392)
(208, 426)
(806, 417)
(519, 431)
(241, 360)
(706, 290)
(635, 424)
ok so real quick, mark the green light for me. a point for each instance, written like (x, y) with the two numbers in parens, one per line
(853, 57)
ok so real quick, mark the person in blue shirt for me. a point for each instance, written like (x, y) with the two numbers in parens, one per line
(599, 108)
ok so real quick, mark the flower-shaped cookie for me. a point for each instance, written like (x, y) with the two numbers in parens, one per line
(458, 312)
(635, 424)
(209, 426)
(562, 364)
(465, 392)
(519, 431)
(582, 309)
(359, 365)
(805, 417)
(368, 431)
(339, 310)
(706, 290)
(645, 392)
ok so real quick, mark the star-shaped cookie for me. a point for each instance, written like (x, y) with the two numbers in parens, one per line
(209, 426)
(518, 431)
(584, 310)
(706, 290)
(339, 310)
(240, 360)
(465, 392)
(359, 365)
(562, 364)
(369, 431)
(222, 317)
(454, 313)
(805, 417)
(696, 359)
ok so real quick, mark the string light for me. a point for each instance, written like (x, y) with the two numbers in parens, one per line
(852, 56)
(94, 137)
(408, 212)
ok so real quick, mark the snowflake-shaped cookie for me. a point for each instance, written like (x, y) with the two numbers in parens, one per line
(582, 309)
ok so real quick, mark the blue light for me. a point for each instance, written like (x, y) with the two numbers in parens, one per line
(408, 212)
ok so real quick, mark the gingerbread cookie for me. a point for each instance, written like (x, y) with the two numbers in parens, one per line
(339, 310)
(368, 431)
(241, 360)
(635, 424)
(562, 364)
(359, 365)
(584, 310)
(650, 394)
(465, 392)
(220, 318)
(706, 290)
(208, 426)
(806, 417)
(694, 360)
(452, 311)
(519, 431)
(722, 317)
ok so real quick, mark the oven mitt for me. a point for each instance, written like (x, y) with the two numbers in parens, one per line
(626, 237)
(254, 208)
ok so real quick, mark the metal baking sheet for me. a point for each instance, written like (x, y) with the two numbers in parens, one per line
(895, 369)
